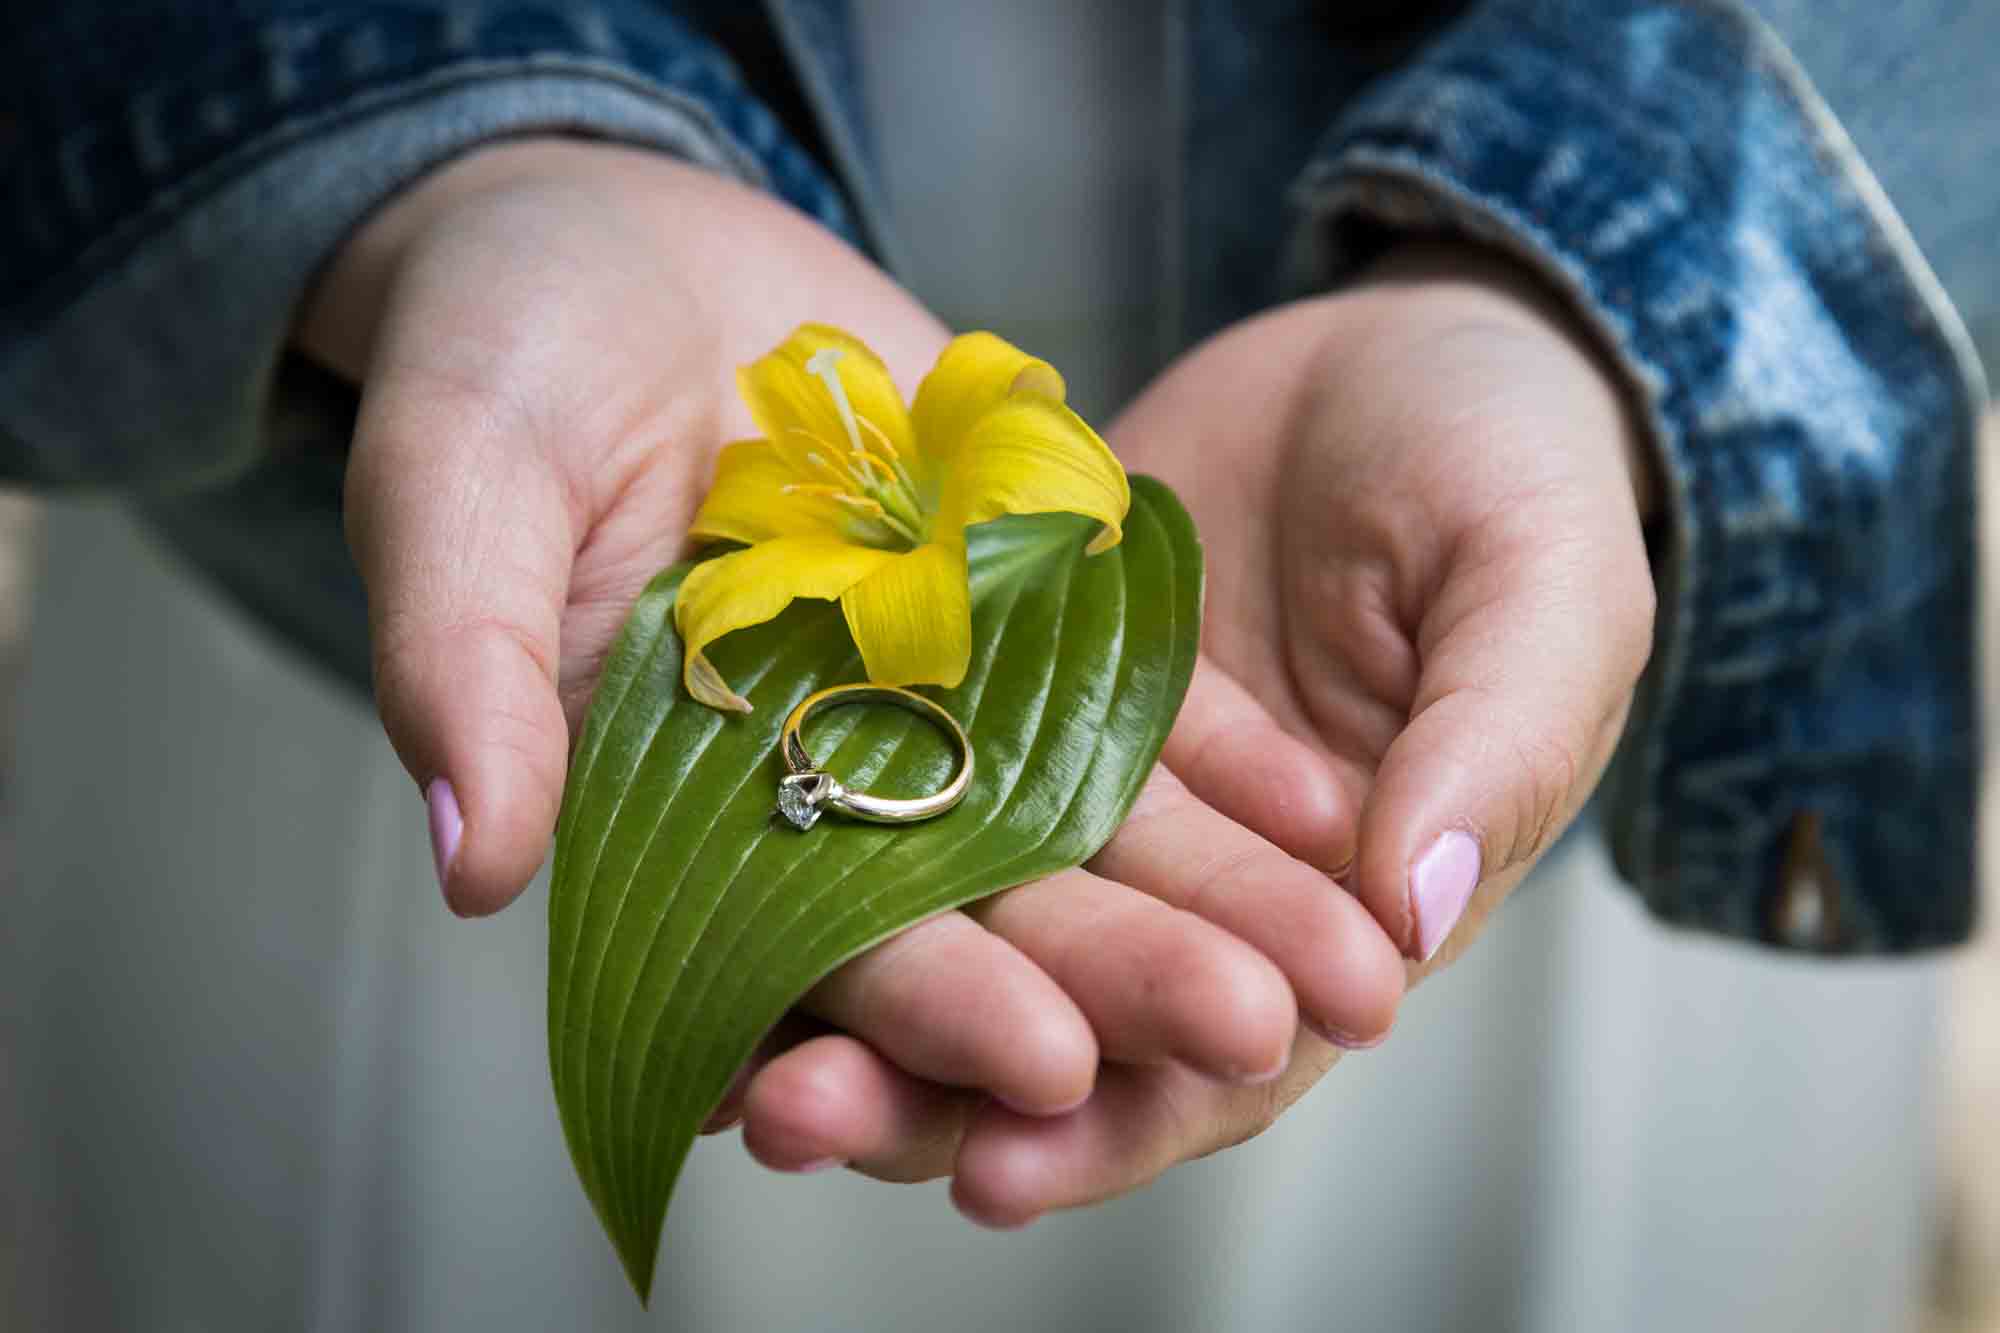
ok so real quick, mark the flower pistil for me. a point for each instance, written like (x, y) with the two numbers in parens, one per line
(872, 484)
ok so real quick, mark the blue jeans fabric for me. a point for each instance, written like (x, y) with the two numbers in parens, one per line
(1801, 768)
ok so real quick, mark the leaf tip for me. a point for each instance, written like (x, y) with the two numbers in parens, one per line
(638, 1259)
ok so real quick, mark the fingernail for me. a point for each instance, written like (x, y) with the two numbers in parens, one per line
(819, 1164)
(729, 1110)
(1327, 1032)
(1253, 1078)
(1038, 1112)
(447, 826)
(1441, 884)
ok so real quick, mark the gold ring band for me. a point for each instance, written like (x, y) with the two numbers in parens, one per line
(809, 791)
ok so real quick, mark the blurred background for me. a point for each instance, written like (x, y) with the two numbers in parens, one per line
(1966, 1294)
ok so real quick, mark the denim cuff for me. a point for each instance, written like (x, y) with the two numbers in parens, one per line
(1801, 766)
(143, 350)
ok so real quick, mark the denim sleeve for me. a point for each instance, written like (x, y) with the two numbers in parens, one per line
(172, 175)
(1801, 766)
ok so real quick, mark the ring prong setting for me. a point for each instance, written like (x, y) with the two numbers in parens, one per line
(803, 796)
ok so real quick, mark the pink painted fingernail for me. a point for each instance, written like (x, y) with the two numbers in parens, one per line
(447, 826)
(819, 1164)
(1441, 884)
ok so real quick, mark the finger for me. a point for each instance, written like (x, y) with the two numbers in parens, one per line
(1139, 1122)
(463, 534)
(1235, 756)
(834, 1102)
(1529, 663)
(951, 1002)
(794, 1029)
(1156, 983)
(1344, 970)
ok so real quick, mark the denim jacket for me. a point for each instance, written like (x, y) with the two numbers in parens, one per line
(1801, 765)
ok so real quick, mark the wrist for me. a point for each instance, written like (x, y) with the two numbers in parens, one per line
(338, 317)
(737, 267)
(1472, 283)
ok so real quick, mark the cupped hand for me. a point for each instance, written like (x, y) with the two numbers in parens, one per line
(545, 334)
(1428, 605)
(1423, 503)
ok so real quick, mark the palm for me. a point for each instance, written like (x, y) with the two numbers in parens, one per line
(1404, 503)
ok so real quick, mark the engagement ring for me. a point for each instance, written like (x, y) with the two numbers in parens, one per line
(809, 791)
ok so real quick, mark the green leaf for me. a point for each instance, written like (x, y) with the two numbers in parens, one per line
(685, 918)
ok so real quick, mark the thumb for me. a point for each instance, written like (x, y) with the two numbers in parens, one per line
(462, 528)
(1520, 702)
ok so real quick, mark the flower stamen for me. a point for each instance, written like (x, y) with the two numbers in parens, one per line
(861, 504)
(875, 433)
(839, 467)
(901, 527)
(892, 528)
(878, 476)
(895, 460)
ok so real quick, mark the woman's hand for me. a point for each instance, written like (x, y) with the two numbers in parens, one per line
(1428, 605)
(1422, 501)
(545, 334)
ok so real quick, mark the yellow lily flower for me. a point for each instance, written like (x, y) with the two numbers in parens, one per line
(849, 496)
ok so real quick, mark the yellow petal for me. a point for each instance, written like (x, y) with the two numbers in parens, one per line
(1032, 455)
(750, 502)
(912, 617)
(751, 586)
(785, 398)
(973, 374)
